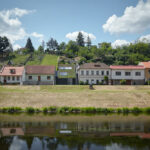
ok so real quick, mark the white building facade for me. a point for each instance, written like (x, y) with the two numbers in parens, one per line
(134, 75)
(93, 73)
(12, 75)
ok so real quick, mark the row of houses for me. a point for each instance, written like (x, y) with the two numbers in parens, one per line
(89, 73)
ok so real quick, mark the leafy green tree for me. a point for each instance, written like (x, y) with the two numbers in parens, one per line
(29, 46)
(5, 46)
(40, 49)
(62, 46)
(89, 42)
(80, 40)
(52, 44)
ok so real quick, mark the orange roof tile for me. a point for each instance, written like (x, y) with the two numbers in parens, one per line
(145, 64)
(127, 67)
(6, 71)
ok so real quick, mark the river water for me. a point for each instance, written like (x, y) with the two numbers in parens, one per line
(74, 132)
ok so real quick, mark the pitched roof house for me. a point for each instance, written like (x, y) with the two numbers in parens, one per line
(93, 73)
(12, 75)
(39, 75)
(133, 74)
(147, 69)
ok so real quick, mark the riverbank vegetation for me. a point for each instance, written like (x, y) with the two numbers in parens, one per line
(75, 110)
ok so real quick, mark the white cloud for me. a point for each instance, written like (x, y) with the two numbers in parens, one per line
(39, 36)
(119, 43)
(16, 46)
(134, 20)
(11, 26)
(145, 38)
(73, 35)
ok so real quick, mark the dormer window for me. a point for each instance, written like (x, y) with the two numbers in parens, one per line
(12, 71)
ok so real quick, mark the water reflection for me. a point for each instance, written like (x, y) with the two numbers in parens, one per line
(39, 132)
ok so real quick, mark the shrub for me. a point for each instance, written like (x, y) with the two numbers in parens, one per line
(81, 83)
(147, 110)
(64, 109)
(136, 110)
(30, 110)
(52, 108)
(125, 110)
(88, 110)
(123, 82)
(45, 109)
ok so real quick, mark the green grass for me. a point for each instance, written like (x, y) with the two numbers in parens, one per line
(50, 60)
(19, 59)
(36, 59)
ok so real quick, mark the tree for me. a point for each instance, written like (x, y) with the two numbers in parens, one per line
(5, 46)
(40, 49)
(89, 43)
(80, 40)
(43, 45)
(62, 46)
(29, 46)
(52, 44)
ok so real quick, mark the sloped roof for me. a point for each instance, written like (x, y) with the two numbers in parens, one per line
(5, 71)
(145, 64)
(94, 66)
(127, 67)
(40, 70)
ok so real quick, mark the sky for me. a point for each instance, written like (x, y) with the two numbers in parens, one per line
(117, 21)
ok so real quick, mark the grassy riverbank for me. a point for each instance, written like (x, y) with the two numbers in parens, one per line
(75, 96)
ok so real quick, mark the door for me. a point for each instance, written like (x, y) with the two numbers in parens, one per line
(39, 78)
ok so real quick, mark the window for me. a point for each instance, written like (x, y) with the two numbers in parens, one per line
(63, 73)
(30, 77)
(102, 73)
(92, 81)
(87, 72)
(87, 81)
(138, 73)
(12, 71)
(92, 72)
(82, 72)
(18, 78)
(65, 68)
(118, 73)
(48, 77)
(107, 72)
(13, 78)
(127, 73)
(8, 78)
(97, 72)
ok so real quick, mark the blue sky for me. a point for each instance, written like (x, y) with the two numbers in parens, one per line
(42, 19)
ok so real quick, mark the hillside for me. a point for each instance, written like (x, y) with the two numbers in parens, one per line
(35, 59)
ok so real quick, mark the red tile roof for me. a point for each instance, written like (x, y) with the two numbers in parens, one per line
(94, 66)
(127, 67)
(40, 70)
(145, 64)
(6, 71)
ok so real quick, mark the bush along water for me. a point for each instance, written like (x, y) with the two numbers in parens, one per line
(75, 110)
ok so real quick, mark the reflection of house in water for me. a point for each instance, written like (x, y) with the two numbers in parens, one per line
(11, 131)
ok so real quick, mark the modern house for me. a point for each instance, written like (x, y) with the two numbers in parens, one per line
(134, 75)
(93, 73)
(66, 74)
(12, 75)
(39, 75)
(147, 70)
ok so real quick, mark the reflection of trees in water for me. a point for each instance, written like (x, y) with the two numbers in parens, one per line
(5, 142)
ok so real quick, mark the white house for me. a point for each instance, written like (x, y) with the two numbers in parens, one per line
(12, 75)
(134, 75)
(39, 75)
(93, 73)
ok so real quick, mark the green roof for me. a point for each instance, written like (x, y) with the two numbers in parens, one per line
(66, 71)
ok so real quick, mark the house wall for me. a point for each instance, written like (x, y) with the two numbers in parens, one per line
(131, 80)
(93, 78)
(131, 77)
(11, 81)
(43, 81)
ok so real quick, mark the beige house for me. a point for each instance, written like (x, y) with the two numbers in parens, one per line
(39, 75)
(93, 73)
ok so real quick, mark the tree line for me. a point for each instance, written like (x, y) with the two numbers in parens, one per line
(86, 52)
